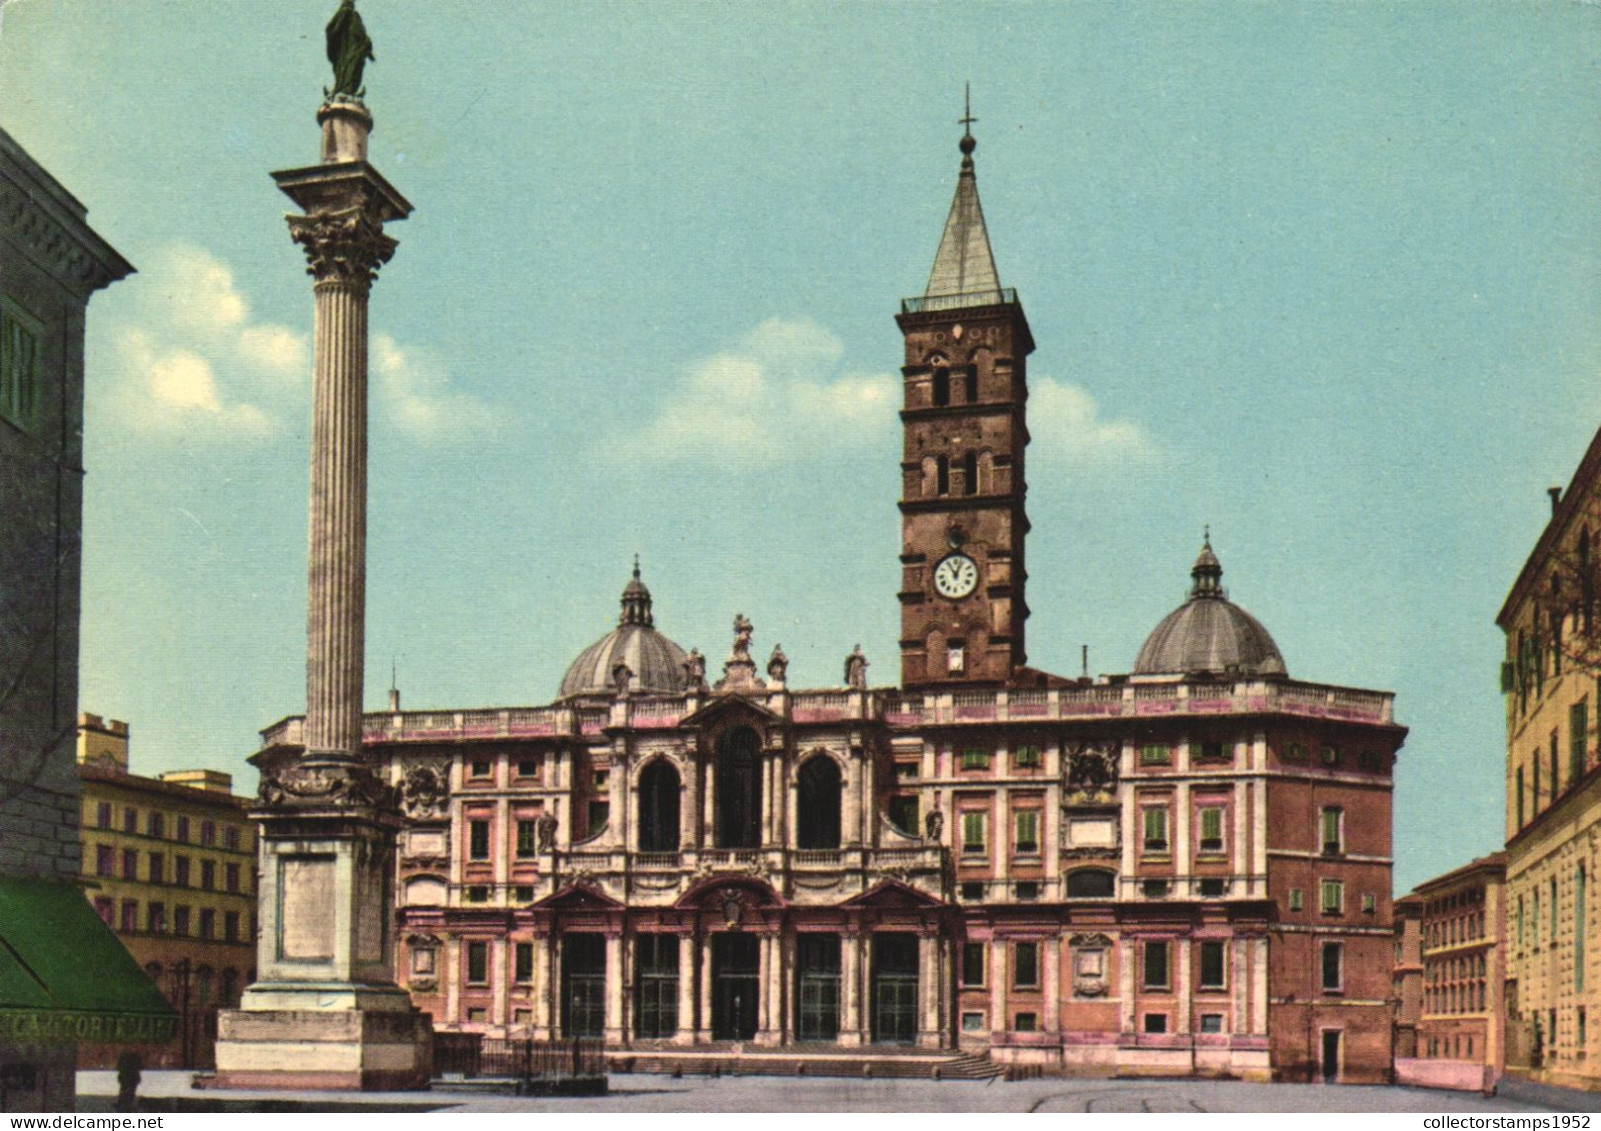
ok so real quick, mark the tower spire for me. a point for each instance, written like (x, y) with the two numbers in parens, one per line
(964, 267)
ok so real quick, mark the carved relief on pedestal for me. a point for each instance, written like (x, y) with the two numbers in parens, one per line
(345, 246)
(311, 786)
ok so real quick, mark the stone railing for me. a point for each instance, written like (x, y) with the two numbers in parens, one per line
(1085, 701)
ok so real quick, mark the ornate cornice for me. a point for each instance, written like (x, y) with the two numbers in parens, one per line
(345, 246)
(43, 236)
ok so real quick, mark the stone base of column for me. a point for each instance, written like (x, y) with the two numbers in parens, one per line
(322, 1037)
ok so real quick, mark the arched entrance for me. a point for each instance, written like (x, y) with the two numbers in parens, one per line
(817, 803)
(658, 808)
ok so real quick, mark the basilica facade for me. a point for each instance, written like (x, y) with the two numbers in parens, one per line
(1182, 869)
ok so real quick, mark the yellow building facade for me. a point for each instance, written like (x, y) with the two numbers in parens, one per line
(1552, 681)
(169, 863)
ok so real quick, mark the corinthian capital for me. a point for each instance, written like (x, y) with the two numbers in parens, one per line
(347, 246)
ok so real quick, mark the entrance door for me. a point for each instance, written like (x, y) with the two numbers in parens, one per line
(583, 985)
(894, 995)
(817, 987)
(1331, 1055)
(736, 967)
(655, 986)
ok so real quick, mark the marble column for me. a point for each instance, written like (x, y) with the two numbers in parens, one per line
(616, 980)
(850, 974)
(327, 821)
(544, 988)
(686, 989)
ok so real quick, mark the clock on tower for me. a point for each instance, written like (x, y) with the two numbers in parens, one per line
(964, 428)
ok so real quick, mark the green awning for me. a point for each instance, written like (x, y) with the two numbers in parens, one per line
(65, 977)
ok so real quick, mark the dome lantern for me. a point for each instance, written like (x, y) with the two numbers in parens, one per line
(1209, 634)
(656, 662)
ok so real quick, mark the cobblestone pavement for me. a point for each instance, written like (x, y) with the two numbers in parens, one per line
(819, 1094)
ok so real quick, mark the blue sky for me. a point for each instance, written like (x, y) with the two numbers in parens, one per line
(1323, 276)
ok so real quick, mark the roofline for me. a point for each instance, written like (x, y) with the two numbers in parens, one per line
(1490, 865)
(1589, 470)
(142, 784)
(65, 210)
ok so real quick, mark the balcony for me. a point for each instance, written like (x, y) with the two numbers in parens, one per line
(927, 304)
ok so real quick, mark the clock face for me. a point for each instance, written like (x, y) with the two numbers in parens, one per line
(955, 577)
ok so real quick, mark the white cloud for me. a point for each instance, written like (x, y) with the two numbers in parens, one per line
(775, 395)
(414, 392)
(199, 292)
(195, 364)
(278, 350)
(173, 391)
(1066, 426)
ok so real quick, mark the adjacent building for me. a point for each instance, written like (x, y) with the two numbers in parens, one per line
(169, 864)
(1181, 869)
(1552, 681)
(1458, 921)
(63, 976)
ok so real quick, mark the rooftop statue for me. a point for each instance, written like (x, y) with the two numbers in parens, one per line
(348, 50)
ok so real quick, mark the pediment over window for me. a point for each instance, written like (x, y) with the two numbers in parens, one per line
(716, 891)
(729, 709)
(577, 897)
(890, 893)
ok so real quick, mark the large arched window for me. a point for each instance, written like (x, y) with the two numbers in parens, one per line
(739, 790)
(970, 473)
(942, 386)
(658, 808)
(942, 475)
(817, 803)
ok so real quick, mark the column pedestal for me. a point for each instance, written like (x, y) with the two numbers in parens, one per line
(324, 1012)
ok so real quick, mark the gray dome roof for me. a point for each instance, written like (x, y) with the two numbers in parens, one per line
(655, 661)
(1209, 633)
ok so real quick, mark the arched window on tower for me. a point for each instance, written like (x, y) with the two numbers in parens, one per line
(658, 808)
(739, 790)
(817, 803)
(942, 386)
(970, 380)
(970, 473)
(942, 475)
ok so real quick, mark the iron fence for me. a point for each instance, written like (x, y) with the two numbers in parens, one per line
(471, 1055)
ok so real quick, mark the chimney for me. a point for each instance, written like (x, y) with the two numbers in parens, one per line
(1556, 497)
(394, 700)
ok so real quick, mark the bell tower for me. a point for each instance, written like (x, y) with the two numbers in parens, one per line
(962, 482)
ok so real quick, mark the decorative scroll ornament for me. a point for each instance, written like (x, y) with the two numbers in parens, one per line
(1093, 939)
(1092, 766)
(302, 786)
(424, 792)
(347, 246)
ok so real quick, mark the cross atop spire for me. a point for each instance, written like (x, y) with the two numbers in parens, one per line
(964, 267)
